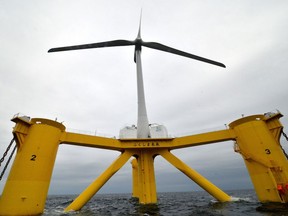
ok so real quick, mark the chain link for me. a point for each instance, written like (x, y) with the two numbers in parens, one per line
(285, 135)
(4, 155)
(6, 152)
(8, 161)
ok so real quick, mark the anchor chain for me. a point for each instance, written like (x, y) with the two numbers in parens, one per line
(4, 155)
(286, 137)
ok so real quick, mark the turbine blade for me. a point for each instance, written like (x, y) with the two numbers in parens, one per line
(94, 45)
(164, 48)
(139, 30)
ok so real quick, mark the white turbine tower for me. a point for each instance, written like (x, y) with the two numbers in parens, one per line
(142, 120)
(143, 130)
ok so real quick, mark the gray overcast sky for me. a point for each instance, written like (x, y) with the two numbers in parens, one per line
(95, 90)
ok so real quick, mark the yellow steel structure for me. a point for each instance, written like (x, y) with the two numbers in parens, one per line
(256, 139)
(135, 177)
(27, 186)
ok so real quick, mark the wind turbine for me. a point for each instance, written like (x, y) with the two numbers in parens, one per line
(143, 130)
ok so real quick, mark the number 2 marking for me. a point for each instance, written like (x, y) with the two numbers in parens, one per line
(33, 157)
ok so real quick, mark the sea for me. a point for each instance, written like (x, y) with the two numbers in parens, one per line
(244, 202)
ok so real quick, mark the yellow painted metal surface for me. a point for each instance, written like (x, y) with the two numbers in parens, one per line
(27, 185)
(92, 189)
(135, 179)
(196, 177)
(146, 177)
(256, 139)
(258, 143)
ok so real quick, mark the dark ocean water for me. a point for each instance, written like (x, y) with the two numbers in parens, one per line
(181, 203)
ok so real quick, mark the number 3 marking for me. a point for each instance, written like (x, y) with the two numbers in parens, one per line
(33, 157)
(267, 151)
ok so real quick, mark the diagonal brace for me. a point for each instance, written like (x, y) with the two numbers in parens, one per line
(195, 176)
(95, 186)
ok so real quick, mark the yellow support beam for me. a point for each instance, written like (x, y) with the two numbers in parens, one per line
(146, 177)
(148, 143)
(92, 189)
(179, 142)
(195, 176)
(202, 139)
(135, 179)
(91, 141)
